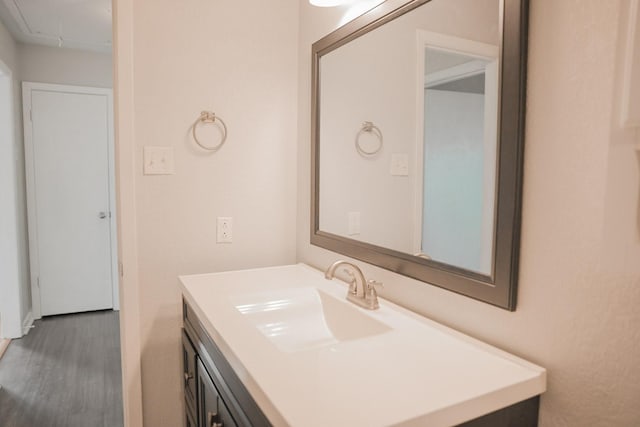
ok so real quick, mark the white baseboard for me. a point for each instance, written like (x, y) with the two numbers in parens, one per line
(27, 323)
(4, 343)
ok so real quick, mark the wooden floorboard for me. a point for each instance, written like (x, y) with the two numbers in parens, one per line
(65, 373)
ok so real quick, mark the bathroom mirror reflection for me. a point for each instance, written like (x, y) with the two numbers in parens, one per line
(456, 193)
(417, 140)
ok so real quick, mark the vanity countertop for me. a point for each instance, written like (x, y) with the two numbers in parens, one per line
(310, 358)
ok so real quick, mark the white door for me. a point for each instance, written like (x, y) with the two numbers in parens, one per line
(68, 137)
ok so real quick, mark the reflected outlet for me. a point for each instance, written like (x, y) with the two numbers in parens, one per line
(225, 229)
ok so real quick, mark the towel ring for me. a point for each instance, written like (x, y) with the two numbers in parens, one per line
(373, 129)
(209, 117)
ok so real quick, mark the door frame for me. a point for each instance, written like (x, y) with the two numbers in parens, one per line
(27, 88)
(11, 315)
(424, 39)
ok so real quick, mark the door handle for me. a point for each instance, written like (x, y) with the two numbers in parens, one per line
(102, 215)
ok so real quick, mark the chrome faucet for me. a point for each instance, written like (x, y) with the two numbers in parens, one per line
(361, 292)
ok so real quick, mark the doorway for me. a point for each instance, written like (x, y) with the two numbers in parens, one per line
(457, 116)
(68, 132)
(10, 298)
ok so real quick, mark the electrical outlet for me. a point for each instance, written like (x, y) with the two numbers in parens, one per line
(225, 229)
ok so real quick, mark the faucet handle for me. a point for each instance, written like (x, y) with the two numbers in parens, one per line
(371, 296)
(371, 287)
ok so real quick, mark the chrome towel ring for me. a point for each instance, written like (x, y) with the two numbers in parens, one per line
(373, 129)
(209, 117)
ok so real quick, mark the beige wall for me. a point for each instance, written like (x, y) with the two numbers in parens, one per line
(45, 64)
(238, 59)
(9, 55)
(579, 286)
(579, 283)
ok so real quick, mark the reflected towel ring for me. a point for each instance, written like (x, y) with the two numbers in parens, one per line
(209, 117)
(371, 128)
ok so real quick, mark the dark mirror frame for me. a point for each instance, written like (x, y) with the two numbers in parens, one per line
(500, 288)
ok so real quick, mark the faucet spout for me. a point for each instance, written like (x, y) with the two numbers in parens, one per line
(360, 282)
(360, 292)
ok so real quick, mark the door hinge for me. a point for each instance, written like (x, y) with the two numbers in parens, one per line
(120, 269)
(30, 115)
(38, 281)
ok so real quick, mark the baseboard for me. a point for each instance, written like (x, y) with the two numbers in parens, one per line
(27, 323)
(4, 343)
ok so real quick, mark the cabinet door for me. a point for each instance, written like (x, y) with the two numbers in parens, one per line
(189, 420)
(189, 371)
(212, 412)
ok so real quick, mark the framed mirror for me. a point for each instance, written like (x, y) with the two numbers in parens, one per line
(417, 142)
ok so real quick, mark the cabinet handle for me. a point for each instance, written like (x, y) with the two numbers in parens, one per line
(211, 419)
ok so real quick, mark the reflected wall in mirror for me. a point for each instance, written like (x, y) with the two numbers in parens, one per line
(457, 166)
(417, 142)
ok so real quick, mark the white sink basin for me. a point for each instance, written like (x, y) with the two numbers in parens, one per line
(296, 319)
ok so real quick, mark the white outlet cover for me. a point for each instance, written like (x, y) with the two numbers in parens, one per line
(224, 232)
(158, 160)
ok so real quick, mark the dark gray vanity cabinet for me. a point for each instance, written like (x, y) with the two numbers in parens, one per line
(213, 393)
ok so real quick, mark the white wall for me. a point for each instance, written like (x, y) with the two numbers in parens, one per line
(45, 64)
(15, 287)
(175, 59)
(579, 284)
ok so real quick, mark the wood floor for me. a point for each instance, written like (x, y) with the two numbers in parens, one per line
(64, 373)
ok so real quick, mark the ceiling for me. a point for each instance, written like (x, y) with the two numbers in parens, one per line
(75, 24)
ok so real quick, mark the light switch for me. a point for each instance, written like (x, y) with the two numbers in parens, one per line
(399, 165)
(158, 160)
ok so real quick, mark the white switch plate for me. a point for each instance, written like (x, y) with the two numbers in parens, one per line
(399, 165)
(225, 229)
(158, 160)
(354, 223)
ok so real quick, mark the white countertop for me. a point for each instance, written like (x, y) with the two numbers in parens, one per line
(409, 371)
